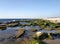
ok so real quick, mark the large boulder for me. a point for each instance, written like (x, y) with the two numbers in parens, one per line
(32, 30)
(20, 32)
(11, 33)
(37, 34)
(10, 36)
(40, 35)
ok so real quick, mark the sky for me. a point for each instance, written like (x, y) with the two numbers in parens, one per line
(29, 8)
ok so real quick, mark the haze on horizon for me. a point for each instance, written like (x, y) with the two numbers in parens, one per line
(29, 8)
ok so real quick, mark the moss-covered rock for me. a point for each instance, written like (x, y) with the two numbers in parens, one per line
(37, 35)
(40, 35)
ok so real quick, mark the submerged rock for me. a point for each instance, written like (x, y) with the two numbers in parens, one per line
(2, 26)
(48, 29)
(32, 30)
(10, 36)
(11, 33)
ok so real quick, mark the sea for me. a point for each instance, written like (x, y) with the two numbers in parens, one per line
(7, 20)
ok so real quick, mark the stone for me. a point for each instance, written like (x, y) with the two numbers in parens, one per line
(20, 32)
(2, 26)
(32, 30)
(11, 33)
(40, 35)
(12, 24)
(37, 34)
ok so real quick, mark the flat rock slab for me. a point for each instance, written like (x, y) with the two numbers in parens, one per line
(9, 34)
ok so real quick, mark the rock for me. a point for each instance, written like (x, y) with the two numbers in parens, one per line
(22, 41)
(32, 30)
(12, 24)
(40, 35)
(25, 41)
(37, 34)
(58, 31)
(20, 32)
(11, 33)
(48, 29)
(2, 26)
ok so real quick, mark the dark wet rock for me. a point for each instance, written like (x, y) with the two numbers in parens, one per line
(2, 26)
(23, 41)
(12, 24)
(32, 30)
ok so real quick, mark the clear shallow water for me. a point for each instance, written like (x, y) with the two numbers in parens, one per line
(11, 31)
(6, 36)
